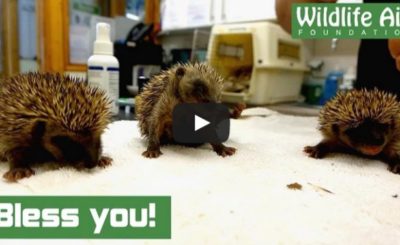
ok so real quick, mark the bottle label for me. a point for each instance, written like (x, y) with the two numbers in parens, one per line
(106, 79)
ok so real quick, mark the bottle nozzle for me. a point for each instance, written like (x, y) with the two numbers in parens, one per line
(103, 44)
(103, 32)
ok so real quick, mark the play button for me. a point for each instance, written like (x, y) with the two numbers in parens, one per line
(199, 123)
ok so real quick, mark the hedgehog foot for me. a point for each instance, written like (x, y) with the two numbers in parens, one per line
(152, 153)
(223, 151)
(16, 174)
(104, 162)
(395, 168)
(317, 151)
(237, 110)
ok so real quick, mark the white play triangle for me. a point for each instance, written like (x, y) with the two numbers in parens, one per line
(199, 123)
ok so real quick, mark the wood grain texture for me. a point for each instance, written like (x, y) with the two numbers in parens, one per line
(117, 8)
(10, 47)
(1, 42)
(53, 28)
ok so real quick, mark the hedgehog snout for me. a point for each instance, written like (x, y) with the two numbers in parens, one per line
(94, 154)
(90, 164)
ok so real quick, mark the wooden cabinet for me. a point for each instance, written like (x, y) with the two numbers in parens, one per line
(9, 53)
(53, 21)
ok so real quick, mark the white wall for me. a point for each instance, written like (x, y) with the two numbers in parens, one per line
(343, 57)
(28, 65)
(182, 40)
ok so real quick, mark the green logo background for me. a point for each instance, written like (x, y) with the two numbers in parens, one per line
(86, 223)
(375, 31)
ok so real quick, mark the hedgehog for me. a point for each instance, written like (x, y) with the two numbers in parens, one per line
(182, 83)
(51, 118)
(362, 122)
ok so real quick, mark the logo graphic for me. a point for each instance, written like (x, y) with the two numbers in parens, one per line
(85, 217)
(200, 123)
(352, 21)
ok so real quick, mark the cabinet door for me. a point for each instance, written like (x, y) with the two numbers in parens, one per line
(199, 13)
(173, 14)
(9, 54)
(247, 10)
(182, 14)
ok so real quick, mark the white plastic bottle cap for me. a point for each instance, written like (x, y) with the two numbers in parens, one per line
(103, 44)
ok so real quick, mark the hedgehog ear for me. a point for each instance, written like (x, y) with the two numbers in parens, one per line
(180, 72)
(38, 130)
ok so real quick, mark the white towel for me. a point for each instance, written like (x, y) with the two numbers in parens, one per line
(243, 199)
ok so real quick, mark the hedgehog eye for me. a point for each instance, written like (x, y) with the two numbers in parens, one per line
(384, 127)
(199, 88)
(71, 150)
(62, 141)
(38, 130)
(335, 128)
(349, 131)
(353, 125)
(85, 132)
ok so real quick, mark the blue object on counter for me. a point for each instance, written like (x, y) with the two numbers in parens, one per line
(331, 86)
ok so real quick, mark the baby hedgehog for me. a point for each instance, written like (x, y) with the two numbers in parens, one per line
(197, 83)
(51, 118)
(362, 122)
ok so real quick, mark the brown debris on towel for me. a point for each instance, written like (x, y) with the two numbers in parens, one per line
(294, 186)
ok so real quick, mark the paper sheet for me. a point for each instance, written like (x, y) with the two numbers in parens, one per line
(81, 12)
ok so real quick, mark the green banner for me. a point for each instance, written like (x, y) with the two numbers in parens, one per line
(93, 217)
(350, 21)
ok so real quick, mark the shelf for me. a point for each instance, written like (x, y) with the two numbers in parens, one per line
(187, 30)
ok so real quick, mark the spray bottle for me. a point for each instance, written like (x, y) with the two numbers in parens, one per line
(103, 67)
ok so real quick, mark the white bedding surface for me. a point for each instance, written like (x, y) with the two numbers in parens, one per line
(242, 199)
